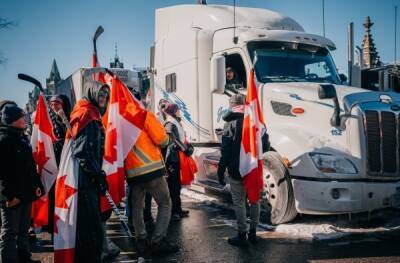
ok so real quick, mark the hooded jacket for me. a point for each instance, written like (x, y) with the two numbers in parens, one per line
(231, 143)
(88, 134)
(88, 147)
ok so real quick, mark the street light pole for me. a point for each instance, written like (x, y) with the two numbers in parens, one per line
(323, 16)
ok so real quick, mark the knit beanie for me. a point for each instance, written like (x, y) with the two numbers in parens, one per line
(10, 113)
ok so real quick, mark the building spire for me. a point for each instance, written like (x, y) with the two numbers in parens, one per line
(116, 63)
(116, 51)
(54, 73)
(370, 54)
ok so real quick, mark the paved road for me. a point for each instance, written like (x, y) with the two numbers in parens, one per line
(203, 236)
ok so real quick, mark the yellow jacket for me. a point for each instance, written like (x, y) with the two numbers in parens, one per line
(145, 161)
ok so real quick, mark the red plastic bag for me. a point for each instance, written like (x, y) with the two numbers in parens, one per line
(188, 168)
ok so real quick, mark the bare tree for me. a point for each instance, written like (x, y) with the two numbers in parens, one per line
(4, 24)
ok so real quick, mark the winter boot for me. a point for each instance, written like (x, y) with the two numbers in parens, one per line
(184, 213)
(252, 236)
(164, 247)
(142, 246)
(239, 241)
(175, 217)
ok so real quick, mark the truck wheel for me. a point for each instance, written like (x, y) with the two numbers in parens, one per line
(278, 191)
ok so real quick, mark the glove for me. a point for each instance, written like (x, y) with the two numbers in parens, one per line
(103, 185)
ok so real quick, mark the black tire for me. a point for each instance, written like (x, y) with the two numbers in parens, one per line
(278, 191)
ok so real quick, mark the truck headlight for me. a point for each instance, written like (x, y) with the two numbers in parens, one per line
(328, 163)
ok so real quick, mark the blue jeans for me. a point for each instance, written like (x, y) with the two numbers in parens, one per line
(14, 238)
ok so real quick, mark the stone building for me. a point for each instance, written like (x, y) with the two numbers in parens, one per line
(371, 57)
(376, 75)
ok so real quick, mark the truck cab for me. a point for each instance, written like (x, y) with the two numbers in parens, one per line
(335, 148)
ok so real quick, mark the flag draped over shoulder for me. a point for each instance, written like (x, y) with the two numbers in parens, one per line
(123, 123)
(251, 151)
(43, 152)
(66, 190)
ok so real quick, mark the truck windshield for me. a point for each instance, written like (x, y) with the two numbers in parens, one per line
(293, 62)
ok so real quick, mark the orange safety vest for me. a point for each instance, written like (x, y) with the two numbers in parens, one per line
(145, 158)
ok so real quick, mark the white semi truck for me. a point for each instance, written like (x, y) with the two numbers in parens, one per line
(335, 148)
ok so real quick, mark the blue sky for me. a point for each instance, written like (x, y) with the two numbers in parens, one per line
(63, 30)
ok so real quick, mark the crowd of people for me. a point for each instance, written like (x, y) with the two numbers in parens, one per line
(152, 168)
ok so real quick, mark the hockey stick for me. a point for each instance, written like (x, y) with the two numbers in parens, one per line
(98, 32)
(31, 80)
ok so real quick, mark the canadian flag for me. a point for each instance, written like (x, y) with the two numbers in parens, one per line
(43, 152)
(66, 206)
(251, 151)
(123, 123)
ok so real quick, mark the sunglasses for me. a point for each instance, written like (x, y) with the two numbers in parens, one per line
(104, 93)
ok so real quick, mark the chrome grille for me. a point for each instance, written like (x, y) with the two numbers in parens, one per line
(382, 135)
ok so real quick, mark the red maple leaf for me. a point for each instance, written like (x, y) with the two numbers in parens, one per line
(40, 156)
(110, 151)
(63, 192)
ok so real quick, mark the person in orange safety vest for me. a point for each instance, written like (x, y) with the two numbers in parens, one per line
(145, 172)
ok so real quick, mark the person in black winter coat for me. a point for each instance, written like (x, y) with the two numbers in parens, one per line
(175, 130)
(20, 185)
(230, 158)
(88, 148)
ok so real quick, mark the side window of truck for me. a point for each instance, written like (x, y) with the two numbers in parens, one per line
(170, 82)
(234, 63)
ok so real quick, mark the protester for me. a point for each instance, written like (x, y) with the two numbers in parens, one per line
(88, 148)
(20, 185)
(178, 143)
(57, 103)
(162, 105)
(145, 172)
(148, 217)
(230, 156)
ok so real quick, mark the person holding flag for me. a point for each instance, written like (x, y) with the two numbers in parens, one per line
(145, 172)
(238, 134)
(78, 227)
(20, 185)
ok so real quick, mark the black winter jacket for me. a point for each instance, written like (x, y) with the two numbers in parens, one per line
(88, 150)
(18, 175)
(230, 146)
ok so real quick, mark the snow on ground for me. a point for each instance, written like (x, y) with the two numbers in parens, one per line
(313, 227)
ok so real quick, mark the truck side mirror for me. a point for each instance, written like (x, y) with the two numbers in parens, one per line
(343, 78)
(328, 91)
(217, 75)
